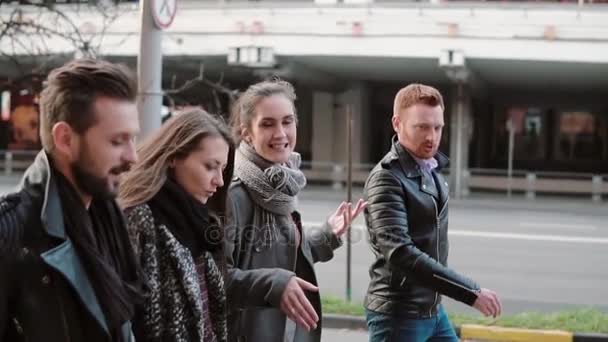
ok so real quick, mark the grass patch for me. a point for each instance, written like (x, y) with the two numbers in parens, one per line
(341, 307)
(579, 320)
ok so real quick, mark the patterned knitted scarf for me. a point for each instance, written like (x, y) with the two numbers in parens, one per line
(273, 187)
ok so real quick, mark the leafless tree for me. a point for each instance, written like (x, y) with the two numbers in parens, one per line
(31, 30)
(214, 96)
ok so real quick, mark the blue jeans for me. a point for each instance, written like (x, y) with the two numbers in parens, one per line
(388, 328)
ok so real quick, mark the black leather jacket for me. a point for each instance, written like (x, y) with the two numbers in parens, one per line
(407, 223)
(45, 294)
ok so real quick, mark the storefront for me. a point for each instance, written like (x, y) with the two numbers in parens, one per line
(20, 119)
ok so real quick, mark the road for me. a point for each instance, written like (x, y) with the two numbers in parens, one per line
(538, 255)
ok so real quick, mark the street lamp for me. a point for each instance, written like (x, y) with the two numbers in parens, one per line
(454, 64)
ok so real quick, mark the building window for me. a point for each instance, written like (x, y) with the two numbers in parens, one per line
(530, 133)
(20, 118)
(581, 135)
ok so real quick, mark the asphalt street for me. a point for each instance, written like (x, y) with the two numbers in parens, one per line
(539, 255)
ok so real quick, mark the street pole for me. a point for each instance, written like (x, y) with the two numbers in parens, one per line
(349, 195)
(511, 130)
(459, 162)
(149, 72)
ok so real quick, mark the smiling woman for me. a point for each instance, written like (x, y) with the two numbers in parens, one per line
(271, 282)
(174, 197)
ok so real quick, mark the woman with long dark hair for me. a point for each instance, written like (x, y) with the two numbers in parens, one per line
(174, 199)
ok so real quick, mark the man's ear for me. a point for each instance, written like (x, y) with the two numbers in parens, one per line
(396, 121)
(63, 138)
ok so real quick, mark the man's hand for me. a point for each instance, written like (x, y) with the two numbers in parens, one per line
(296, 306)
(488, 303)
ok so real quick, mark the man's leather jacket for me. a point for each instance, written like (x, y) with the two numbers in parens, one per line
(45, 294)
(407, 221)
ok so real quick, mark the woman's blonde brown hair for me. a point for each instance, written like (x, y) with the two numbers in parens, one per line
(176, 139)
(243, 110)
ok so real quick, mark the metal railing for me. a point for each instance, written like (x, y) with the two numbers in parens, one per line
(335, 173)
(531, 183)
(16, 161)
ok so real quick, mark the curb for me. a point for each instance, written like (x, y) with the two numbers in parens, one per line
(472, 331)
(492, 333)
(333, 321)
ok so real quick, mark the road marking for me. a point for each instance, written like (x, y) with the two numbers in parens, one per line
(501, 235)
(530, 237)
(586, 227)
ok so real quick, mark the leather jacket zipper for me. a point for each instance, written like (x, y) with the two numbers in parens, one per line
(442, 209)
(451, 282)
(437, 215)
(437, 239)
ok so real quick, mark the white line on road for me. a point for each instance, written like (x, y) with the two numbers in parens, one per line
(586, 227)
(530, 237)
(502, 235)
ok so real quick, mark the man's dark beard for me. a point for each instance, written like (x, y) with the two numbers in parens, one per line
(95, 186)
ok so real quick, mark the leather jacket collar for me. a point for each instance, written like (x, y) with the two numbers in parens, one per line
(408, 163)
(39, 182)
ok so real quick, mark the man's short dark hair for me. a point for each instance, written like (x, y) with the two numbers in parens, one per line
(71, 90)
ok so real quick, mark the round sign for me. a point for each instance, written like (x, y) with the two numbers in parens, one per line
(163, 12)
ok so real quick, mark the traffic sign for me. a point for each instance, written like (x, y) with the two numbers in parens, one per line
(163, 12)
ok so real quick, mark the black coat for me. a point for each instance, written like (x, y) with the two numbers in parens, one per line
(45, 294)
(259, 270)
(407, 222)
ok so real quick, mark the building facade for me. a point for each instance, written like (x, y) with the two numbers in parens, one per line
(542, 66)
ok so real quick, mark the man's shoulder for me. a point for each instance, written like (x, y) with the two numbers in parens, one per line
(388, 166)
(389, 160)
(13, 208)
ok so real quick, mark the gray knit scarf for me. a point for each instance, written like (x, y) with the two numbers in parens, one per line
(273, 187)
